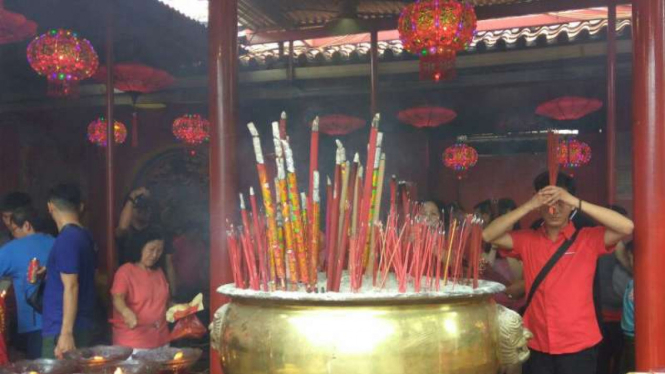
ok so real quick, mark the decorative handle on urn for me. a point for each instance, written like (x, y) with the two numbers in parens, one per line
(513, 337)
(216, 327)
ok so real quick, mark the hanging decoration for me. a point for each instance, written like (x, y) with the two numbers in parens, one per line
(425, 117)
(340, 124)
(64, 58)
(460, 157)
(191, 129)
(15, 27)
(573, 153)
(136, 79)
(436, 30)
(568, 108)
(97, 132)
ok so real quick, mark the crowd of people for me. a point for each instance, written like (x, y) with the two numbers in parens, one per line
(569, 274)
(52, 263)
(579, 303)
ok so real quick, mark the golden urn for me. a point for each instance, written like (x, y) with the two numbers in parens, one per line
(456, 331)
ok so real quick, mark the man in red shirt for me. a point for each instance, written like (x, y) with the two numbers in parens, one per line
(561, 314)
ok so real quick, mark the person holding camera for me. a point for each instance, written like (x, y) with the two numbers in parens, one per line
(136, 220)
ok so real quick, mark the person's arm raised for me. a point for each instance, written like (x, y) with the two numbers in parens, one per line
(497, 231)
(617, 226)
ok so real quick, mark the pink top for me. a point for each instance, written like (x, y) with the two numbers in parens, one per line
(147, 295)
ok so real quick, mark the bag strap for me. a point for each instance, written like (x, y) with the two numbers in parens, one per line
(548, 267)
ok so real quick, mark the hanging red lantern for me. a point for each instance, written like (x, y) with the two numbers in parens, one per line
(573, 153)
(191, 129)
(15, 27)
(97, 132)
(339, 124)
(436, 30)
(460, 157)
(423, 117)
(136, 79)
(64, 58)
(568, 108)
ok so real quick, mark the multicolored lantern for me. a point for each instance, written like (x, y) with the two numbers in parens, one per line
(568, 108)
(572, 153)
(64, 58)
(15, 27)
(97, 132)
(191, 129)
(425, 117)
(340, 124)
(436, 30)
(460, 157)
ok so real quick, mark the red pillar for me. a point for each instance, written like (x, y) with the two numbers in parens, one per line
(649, 180)
(611, 99)
(110, 147)
(223, 104)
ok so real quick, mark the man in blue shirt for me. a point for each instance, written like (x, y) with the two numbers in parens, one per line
(15, 259)
(9, 203)
(69, 296)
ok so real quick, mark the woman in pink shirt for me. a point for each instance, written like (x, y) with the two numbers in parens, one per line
(141, 295)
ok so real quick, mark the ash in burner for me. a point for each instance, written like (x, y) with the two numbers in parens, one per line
(43, 366)
(171, 359)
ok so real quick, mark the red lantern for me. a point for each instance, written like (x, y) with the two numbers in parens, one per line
(422, 117)
(15, 27)
(191, 129)
(573, 153)
(436, 30)
(460, 157)
(97, 132)
(64, 58)
(136, 79)
(339, 124)
(568, 108)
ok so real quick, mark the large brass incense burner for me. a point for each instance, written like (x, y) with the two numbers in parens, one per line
(448, 332)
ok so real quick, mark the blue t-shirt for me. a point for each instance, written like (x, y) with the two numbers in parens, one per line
(73, 253)
(628, 317)
(15, 258)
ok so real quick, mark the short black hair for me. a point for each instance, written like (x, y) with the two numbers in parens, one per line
(66, 197)
(563, 180)
(630, 247)
(15, 200)
(485, 207)
(26, 214)
(137, 241)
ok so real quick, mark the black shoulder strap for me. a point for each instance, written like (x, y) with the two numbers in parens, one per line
(548, 267)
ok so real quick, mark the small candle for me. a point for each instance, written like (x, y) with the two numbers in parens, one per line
(98, 358)
(118, 371)
(33, 372)
(178, 356)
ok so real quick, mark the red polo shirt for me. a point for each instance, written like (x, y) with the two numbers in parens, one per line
(561, 316)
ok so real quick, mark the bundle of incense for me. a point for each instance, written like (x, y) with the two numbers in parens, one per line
(476, 247)
(314, 231)
(346, 211)
(275, 255)
(368, 261)
(296, 214)
(357, 184)
(282, 126)
(285, 234)
(248, 248)
(234, 257)
(461, 247)
(281, 193)
(377, 191)
(552, 160)
(304, 203)
(329, 203)
(260, 241)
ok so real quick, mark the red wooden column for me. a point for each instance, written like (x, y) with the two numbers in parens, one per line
(611, 99)
(223, 107)
(649, 180)
(110, 147)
